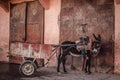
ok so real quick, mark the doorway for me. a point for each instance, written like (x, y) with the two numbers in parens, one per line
(27, 22)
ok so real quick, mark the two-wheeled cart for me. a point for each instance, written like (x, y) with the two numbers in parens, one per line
(32, 56)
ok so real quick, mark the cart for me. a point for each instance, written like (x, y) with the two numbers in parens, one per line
(31, 56)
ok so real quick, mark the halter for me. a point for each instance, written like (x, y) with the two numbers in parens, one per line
(96, 49)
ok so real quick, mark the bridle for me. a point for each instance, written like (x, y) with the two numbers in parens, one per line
(96, 46)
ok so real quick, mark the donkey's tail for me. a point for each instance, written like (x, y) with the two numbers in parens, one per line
(60, 53)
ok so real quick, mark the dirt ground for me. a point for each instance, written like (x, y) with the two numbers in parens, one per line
(51, 74)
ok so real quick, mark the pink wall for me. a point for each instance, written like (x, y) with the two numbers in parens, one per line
(4, 34)
(117, 38)
(51, 35)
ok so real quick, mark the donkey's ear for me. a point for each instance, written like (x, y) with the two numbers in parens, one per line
(99, 36)
(94, 36)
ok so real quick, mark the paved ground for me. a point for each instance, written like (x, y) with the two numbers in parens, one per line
(72, 75)
(51, 74)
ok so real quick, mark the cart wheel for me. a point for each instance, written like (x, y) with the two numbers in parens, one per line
(28, 68)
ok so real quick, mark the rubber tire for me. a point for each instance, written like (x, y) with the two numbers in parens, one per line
(27, 62)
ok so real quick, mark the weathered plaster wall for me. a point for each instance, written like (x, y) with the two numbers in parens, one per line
(4, 34)
(74, 13)
(117, 39)
(99, 19)
(51, 35)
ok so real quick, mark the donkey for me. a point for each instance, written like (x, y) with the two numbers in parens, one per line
(96, 48)
(69, 48)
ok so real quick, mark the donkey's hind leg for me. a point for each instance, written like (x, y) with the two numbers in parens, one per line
(64, 62)
(59, 62)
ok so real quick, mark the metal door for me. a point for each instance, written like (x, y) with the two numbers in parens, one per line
(17, 22)
(35, 15)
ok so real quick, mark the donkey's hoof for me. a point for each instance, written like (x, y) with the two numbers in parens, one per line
(85, 71)
(73, 67)
(89, 73)
(65, 72)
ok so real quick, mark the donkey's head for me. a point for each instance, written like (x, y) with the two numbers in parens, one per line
(96, 45)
